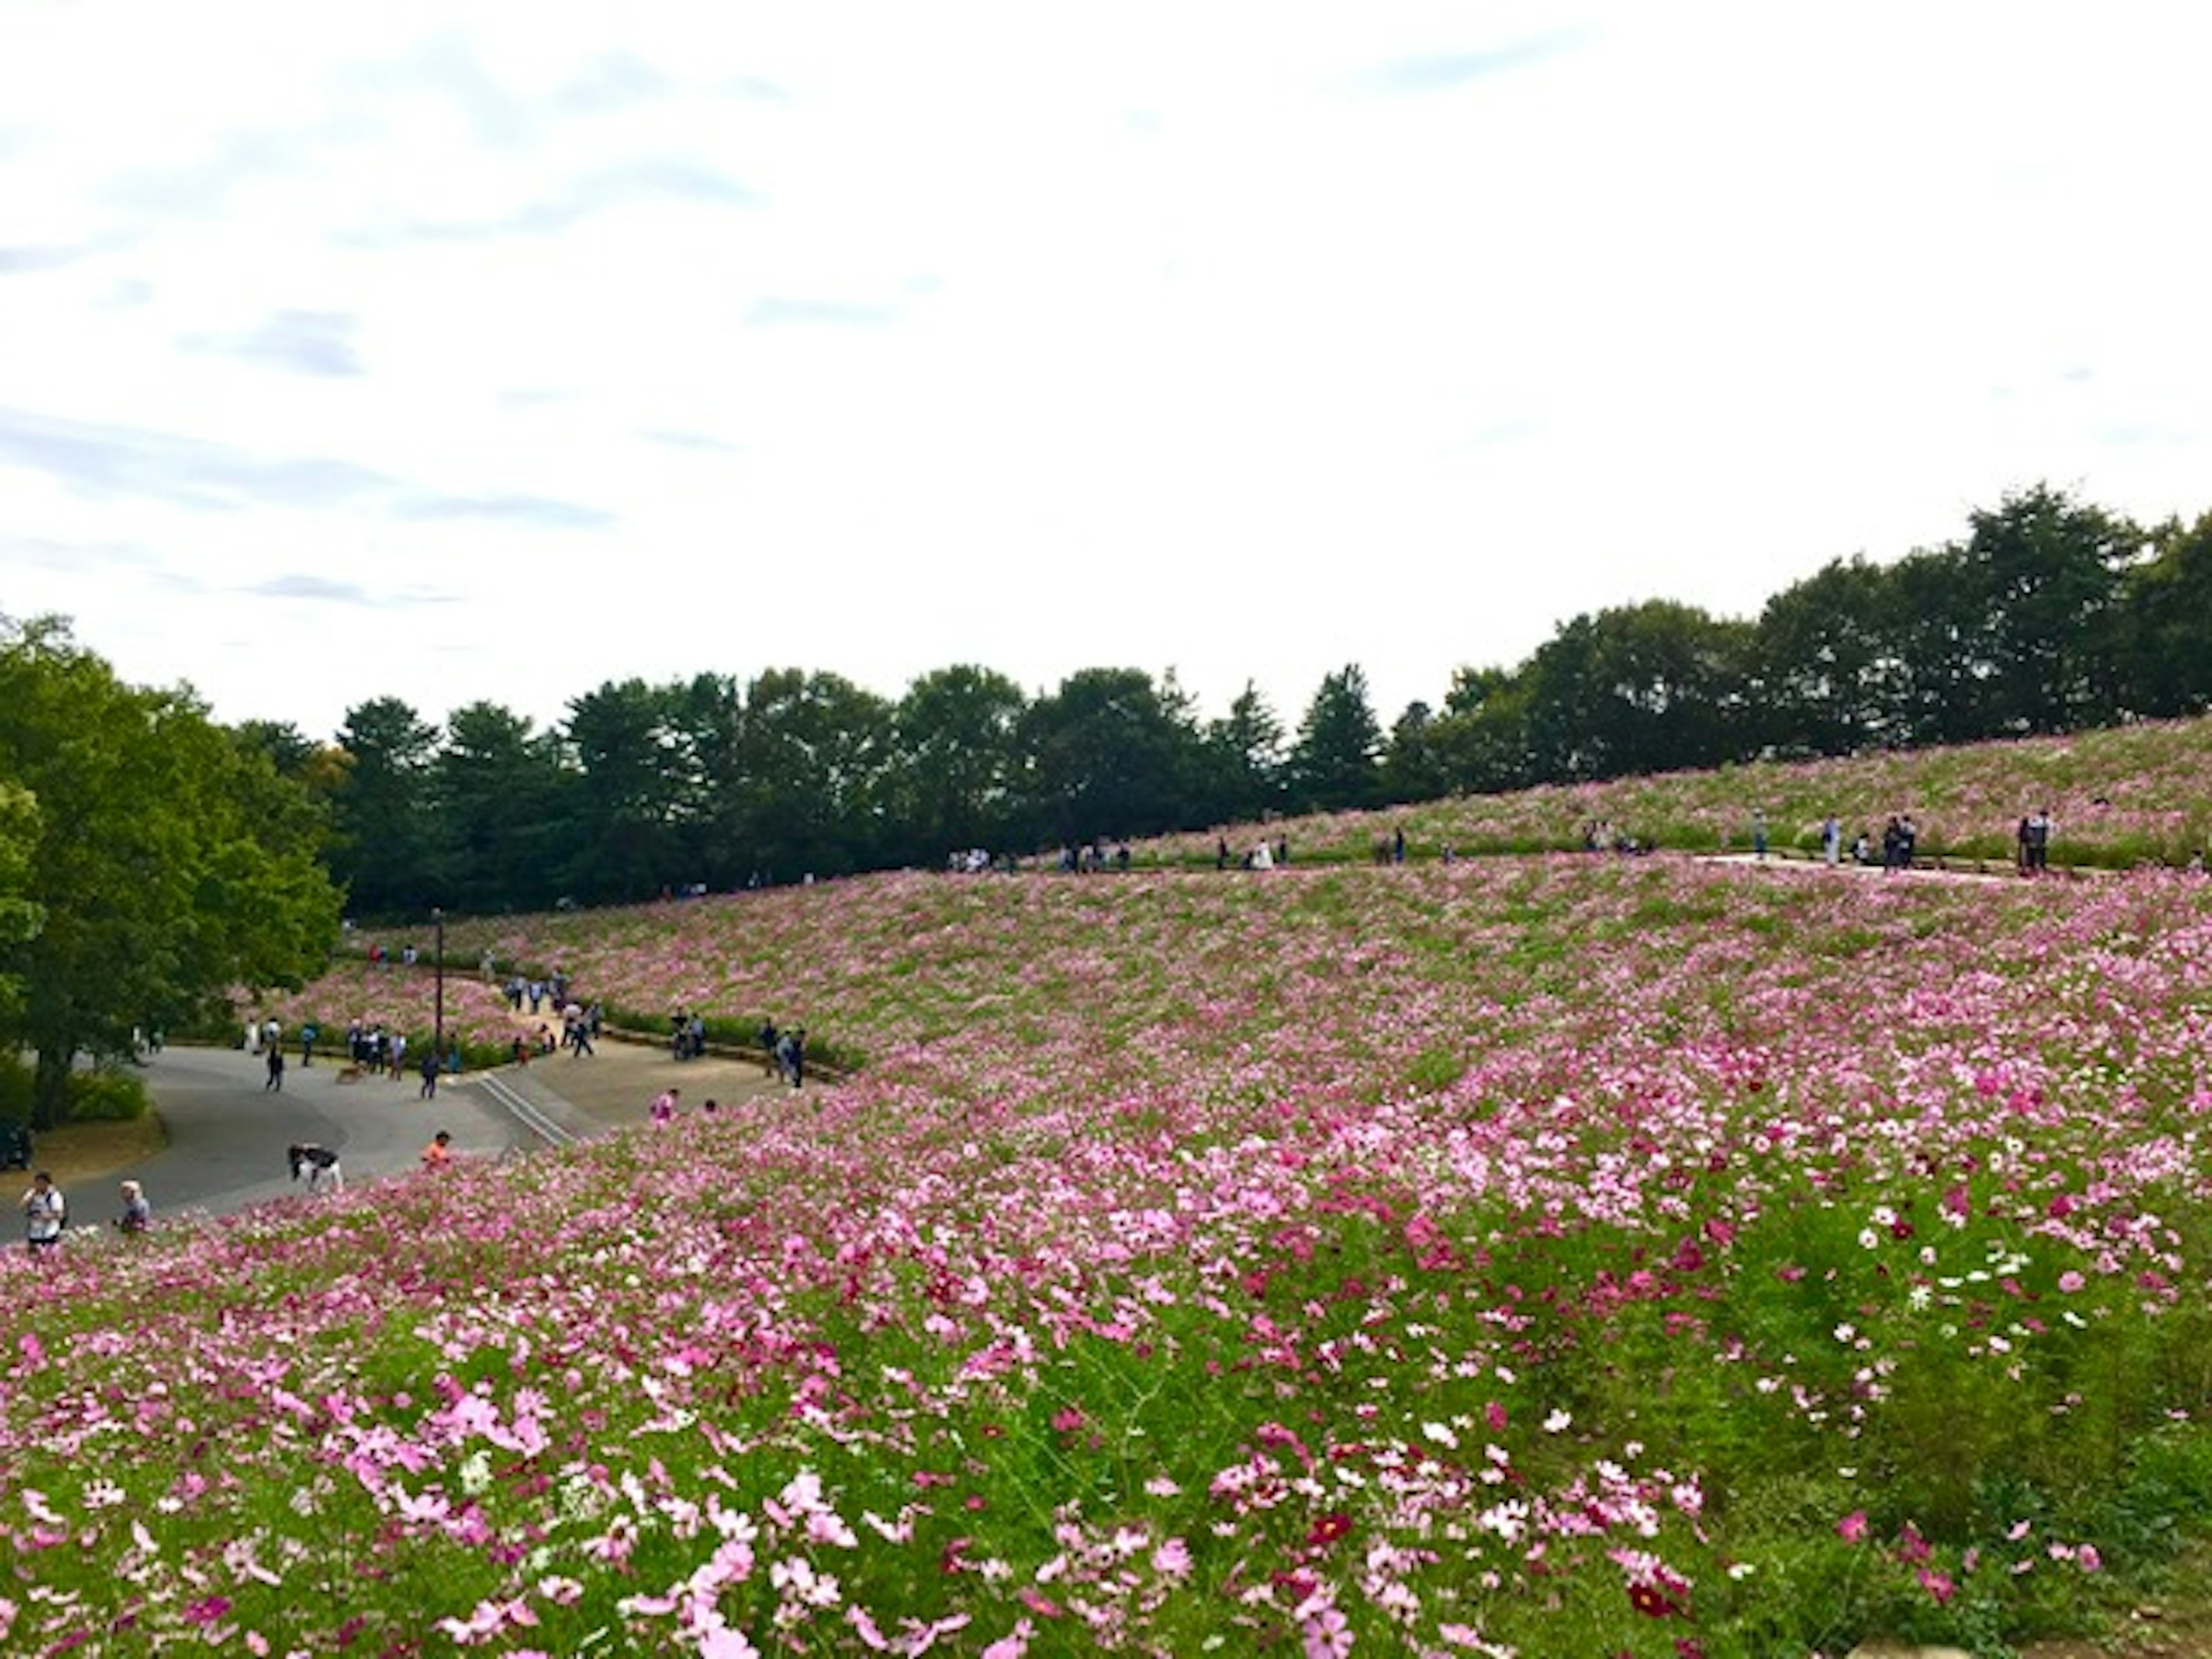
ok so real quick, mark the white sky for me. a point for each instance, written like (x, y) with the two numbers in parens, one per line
(453, 351)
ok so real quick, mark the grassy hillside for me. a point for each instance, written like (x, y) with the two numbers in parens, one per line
(2132, 795)
(1539, 1255)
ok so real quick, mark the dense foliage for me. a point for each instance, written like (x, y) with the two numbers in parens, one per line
(150, 861)
(2049, 617)
(1548, 1255)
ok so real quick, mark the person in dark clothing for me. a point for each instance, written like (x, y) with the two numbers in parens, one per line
(429, 1070)
(275, 1071)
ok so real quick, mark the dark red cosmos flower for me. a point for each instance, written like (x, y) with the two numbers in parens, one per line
(1328, 1529)
(1654, 1602)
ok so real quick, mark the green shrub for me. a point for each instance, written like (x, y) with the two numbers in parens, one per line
(105, 1094)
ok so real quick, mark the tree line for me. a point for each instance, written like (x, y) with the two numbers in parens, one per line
(2050, 614)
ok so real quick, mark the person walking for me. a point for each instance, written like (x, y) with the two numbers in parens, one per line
(275, 1071)
(45, 1212)
(1832, 841)
(429, 1067)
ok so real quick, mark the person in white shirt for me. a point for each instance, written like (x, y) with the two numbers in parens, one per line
(45, 1213)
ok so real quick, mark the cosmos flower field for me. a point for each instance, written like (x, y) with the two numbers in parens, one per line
(2122, 797)
(1540, 1255)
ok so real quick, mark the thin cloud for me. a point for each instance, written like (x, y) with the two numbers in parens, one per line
(25, 261)
(618, 80)
(752, 88)
(688, 440)
(77, 558)
(447, 68)
(302, 342)
(202, 188)
(1444, 71)
(774, 312)
(119, 461)
(299, 585)
(656, 178)
(535, 397)
(114, 462)
(536, 511)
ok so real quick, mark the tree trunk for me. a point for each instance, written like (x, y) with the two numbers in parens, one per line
(50, 1088)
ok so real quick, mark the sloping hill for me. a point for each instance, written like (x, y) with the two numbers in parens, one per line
(1557, 1253)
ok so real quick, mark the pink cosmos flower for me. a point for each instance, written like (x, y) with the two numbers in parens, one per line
(1853, 1527)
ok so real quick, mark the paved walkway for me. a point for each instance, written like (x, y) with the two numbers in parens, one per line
(226, 1134)
(614, 1084)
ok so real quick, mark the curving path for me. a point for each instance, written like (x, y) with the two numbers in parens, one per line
(227, 1135)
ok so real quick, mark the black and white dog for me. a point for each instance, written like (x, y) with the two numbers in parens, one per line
(318, 1164)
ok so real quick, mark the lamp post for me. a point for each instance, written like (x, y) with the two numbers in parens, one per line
(438, 1006)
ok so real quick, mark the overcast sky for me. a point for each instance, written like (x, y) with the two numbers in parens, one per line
(454, 351)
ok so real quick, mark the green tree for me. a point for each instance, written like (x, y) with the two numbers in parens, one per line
(1650, 688)
(2163, 648)
(290, 750)
(1334, 762)
(2046, 570)
(1828, 669)
(957, 762)
(1481, 738)
(499, 793)
(637, 785)
(382, 809)
(21, 915)
(811, 760)
(171, 864)
(1413, 763)
(1107, 755)
(1938, 631)
(1241, 762)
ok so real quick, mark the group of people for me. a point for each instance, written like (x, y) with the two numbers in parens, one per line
(45, 1211)
(784, 1053)
(1091, 856)
(1599, 836)
(371, 1050)
(537, 993)
(687, 1036)
(1261, 856)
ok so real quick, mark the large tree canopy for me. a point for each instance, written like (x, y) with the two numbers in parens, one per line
(167, 861)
